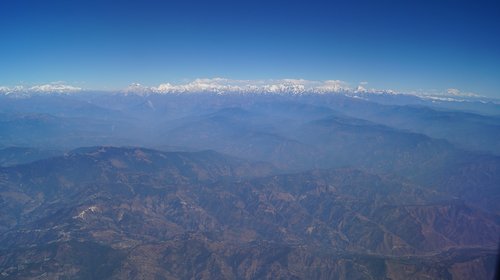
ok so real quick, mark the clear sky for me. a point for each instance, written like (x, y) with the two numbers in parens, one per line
(402, 45)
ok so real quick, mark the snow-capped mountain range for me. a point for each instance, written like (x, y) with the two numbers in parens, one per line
(57, 87)
(232, 86)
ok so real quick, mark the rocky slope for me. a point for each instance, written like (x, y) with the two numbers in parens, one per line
(132, 213)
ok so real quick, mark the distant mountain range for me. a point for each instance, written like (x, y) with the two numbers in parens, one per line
(247, 186)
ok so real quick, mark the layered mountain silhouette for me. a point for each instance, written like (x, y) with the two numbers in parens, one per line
(145, 213)
(102, 186)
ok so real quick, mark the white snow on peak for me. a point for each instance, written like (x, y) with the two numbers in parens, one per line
(265, 86)
(137, 88)
(457, 92)
(222, 86)
(56, 87)
(283, 86)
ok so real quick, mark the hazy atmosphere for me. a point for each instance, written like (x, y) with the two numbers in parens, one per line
(249, 139)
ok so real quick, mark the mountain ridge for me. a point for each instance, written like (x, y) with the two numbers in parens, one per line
(228, 229)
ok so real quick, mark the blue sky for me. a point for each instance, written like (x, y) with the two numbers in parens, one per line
(402, 45)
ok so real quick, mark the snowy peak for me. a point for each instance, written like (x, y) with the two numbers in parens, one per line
(56, 87)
